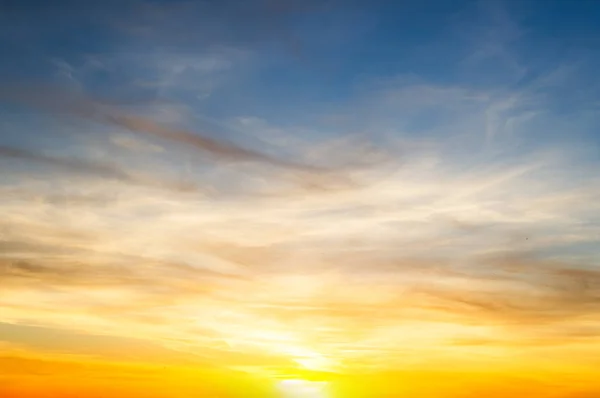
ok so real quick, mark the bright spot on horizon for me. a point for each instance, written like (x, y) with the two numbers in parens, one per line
(298, 388)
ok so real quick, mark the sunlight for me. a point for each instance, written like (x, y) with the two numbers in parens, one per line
(297, 388)
(308, 359)
(314, 362)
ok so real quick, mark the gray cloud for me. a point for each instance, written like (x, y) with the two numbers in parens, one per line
(104, 170)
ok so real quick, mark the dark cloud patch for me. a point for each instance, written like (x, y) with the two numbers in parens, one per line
(142, 275)
(98, 345)
(94, 168)
(61, 273)
(25, 195)
(522, 290)
(17, 247)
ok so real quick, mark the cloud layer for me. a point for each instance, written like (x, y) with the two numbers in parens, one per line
(422, 255)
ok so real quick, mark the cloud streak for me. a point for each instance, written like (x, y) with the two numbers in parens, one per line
(80, 166)
(55, 100)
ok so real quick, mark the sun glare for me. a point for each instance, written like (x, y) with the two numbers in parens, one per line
(314, 362)
(298, 388)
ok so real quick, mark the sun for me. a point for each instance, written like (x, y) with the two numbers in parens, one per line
(298, 388)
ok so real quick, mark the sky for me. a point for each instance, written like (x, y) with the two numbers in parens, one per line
(320, 199)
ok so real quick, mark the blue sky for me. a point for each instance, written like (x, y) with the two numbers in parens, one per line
(296, 157)
(292, 66)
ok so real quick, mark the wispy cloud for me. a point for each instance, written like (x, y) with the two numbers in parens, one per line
(47, 98)
(103, 170)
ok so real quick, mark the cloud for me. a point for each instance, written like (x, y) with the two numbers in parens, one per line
(55, 100)
(299, 274)
(134, 145)
(80, 166)
(495, 36)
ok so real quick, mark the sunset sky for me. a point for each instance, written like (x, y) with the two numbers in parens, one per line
(324, 199)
